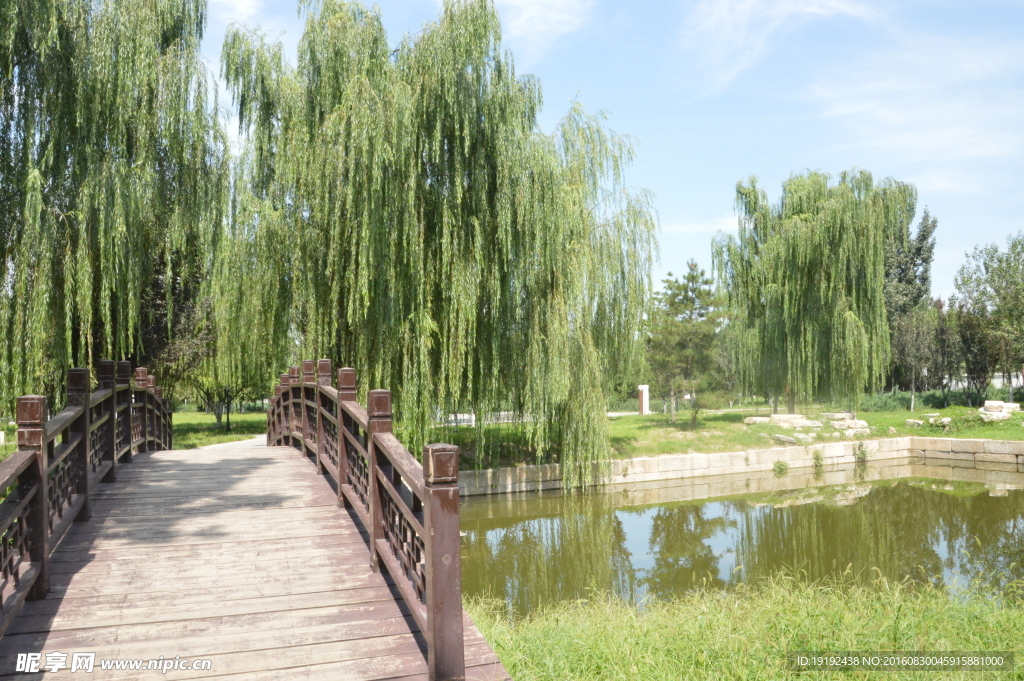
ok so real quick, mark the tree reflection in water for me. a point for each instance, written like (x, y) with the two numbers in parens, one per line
(550, 558)
(683, 556)
(535, 550)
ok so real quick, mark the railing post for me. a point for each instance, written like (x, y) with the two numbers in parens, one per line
(107, 378)
(294, 393)
(151, 409)
(161, 412)
(308, 427)
(31, 413)
(323, 377)
(284, 413)
(139, 397)
(78, 396)
(124, 378)
(273, 416)
(378, 412)
(445, 643)
(346, 393)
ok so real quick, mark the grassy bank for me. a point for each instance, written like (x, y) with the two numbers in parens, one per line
(725, 431)
(746, 633)
(195, 429)
(716, 431)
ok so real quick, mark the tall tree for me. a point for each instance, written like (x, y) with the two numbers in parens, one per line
(111, 178)
(437, 241)
(979, 343)
(993, 280)
(807, 275)
(913, 344)
(947, 358)
(908, 257)
(681, 345)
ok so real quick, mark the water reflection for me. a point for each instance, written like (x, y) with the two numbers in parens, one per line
(907, 520)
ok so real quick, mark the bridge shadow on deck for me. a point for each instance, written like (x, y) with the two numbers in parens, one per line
(236, 553)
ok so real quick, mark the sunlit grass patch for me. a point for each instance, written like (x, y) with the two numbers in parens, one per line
(196, 429)
(745, 633)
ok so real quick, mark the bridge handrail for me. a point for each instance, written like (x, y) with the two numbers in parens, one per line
(93, 430)
(411, 511)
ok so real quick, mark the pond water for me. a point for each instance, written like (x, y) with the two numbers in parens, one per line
(942, 523)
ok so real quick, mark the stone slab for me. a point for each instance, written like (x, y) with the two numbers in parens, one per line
(995, 458)
(967, 445)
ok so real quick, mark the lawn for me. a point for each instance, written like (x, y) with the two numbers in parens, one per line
(506, 445)
(725, 431)
(196, 429)
(747, 632)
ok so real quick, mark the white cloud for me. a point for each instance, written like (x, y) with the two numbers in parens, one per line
(726, 224)
(534, 25)
(932, 100)
(235, 10)
(731, 35)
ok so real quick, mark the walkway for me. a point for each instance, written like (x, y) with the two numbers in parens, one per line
(237, 553)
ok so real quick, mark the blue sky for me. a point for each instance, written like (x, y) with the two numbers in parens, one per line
(717, 90)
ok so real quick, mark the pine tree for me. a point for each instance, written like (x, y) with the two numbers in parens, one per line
(681, 344)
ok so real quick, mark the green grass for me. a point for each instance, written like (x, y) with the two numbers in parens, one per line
(194, 429)
(10, 439)
(745, 633)
(724, 431)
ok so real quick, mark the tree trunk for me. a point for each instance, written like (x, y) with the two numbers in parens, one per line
(218, 411)
(672, 406)
(693, 410)
(791, 402)
(913, 393)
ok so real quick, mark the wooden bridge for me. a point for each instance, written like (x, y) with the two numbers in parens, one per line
(245, 561)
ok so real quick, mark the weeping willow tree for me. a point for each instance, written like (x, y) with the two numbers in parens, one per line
(436, 239)
(806, 277)
(246, 296)
(111, 178)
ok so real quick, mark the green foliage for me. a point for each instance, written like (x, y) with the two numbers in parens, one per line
(405, 217)
(908, 257)
(780, 468)
(745, 633)
(947, 356)
(913, 342)
(112, 169)
(979, 347)
(990, 286)
(860, 453)
(806, 277)
(887, 401)
(683, 327)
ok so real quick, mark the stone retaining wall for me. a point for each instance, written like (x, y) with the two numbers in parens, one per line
(996, 455)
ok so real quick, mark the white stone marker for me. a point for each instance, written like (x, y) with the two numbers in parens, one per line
(645, 400)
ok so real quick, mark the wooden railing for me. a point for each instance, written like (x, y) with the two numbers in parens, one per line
(46, 483)
(411, 512)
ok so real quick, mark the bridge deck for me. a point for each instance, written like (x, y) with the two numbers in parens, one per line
(237, 553)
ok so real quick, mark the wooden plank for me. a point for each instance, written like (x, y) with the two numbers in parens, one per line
(220, 635)
(198, 551)
(111, 610)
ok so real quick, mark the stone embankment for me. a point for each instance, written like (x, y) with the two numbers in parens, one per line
(992, 455)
